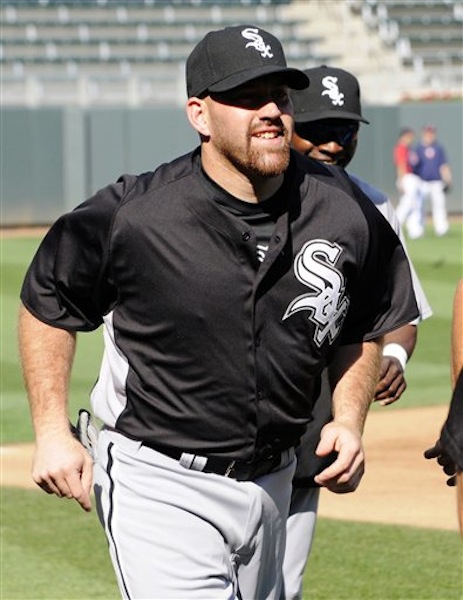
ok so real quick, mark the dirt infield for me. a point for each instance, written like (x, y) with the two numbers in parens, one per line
(399, 485)
(15, 232)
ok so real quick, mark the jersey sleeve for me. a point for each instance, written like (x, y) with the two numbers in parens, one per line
(424, 308)
(443, 156)
(68, 283)
(385, 207)
(400, 156)
(383, 298)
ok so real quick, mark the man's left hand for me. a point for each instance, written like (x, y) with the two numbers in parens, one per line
(345, 473)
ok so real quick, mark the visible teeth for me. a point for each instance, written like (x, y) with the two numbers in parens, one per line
(268, 135)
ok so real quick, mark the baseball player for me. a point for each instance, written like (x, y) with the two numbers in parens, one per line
(327, 117)
(408, 184)
(224, 280)
(435, 176)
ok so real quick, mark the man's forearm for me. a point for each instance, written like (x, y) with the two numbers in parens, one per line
(401, 343)
(405, 336)
(446, 174)
(61, 465)
(354, 374)
(46, 354)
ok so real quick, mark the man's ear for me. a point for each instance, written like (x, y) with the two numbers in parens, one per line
(196, 110)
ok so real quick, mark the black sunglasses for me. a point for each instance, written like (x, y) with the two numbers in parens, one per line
(322, 133)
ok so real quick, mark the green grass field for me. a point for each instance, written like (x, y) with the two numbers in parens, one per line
(51, 549)
(438, 262)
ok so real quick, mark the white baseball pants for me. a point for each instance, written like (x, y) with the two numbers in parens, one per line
(435, 191)
(410, 208)
(300, 530)
(184, 534)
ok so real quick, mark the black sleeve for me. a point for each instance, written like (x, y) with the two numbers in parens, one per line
(68, 284)
(381, 292)
(383, 298)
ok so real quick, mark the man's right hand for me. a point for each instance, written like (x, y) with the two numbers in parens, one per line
(344, 474)
(62, 466)
(392, 382)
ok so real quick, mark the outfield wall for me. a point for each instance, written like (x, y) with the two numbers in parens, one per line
(54, 158)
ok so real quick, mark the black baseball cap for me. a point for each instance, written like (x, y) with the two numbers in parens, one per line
(230, 57)
(333, 94)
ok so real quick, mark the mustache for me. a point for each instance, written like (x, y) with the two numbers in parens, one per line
(276, 126)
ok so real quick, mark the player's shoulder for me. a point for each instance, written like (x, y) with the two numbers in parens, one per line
(309, 169)
(350, 202)
(376, 195)
(165, 174)
(347, 191)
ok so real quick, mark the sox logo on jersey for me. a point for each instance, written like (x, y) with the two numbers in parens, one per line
(327, 305)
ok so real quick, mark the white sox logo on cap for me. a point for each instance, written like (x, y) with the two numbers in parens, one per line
(257, 42)
(332, 90)
(228, 58)
(323, 99)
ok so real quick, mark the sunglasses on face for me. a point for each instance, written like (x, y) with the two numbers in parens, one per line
(322, 133)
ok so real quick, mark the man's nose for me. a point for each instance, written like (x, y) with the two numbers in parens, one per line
(333, 147)
(270, 109)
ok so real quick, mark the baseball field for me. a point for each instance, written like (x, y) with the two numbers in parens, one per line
(396, 538)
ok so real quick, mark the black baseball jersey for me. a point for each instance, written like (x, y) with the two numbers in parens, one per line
(308, 463)
(207, 349)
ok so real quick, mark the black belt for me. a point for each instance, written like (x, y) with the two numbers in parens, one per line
(235, 469)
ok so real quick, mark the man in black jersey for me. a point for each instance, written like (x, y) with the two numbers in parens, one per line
(327, 115)
(225, 280)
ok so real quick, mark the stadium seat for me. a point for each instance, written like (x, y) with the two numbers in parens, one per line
(72, 39)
